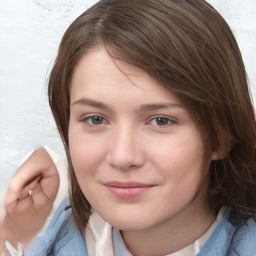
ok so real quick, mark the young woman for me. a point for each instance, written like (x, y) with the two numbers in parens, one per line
(152, 104)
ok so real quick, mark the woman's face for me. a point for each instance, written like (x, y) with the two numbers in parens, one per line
(137, 154)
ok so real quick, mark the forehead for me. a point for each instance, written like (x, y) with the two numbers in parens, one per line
(97, 74)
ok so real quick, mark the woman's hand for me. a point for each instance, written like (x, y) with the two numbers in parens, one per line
(29, 198)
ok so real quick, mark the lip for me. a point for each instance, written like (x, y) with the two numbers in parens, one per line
(126, 190)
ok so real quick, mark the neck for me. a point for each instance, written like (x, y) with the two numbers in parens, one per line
(172, 234)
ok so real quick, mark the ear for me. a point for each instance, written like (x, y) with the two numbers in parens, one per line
(215, 156)
(220, 154)
(224, 147)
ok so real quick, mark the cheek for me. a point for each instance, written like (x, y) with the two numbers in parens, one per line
(180, 152)
(86, 153)
(184, 177)
(180, 160)
(85, 157)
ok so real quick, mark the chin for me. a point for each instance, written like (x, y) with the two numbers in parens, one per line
(128, 222)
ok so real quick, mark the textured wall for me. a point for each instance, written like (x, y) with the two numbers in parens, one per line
(30, 31)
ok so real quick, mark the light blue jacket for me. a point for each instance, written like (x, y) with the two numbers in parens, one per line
(226, 240)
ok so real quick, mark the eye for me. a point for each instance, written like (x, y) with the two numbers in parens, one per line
(161, 121)
(95, 120)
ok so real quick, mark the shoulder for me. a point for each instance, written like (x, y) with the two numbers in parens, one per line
(231, 239)
(244, 239)
(61, 237)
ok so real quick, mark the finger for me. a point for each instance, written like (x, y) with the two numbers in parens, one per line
(36, 168)
(39, 163)
(13, 199)
(23, 206)
(2, 245)
(32, 183)
(41, 202)
(50, 186)
(47, 186)
(20, 204)
(27, 190)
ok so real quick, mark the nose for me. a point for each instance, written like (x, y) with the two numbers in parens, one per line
(125, 150)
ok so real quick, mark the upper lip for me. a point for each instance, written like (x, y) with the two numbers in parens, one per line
(129, 184)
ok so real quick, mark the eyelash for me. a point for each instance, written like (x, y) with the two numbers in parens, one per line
(90, 123)
(169, 121)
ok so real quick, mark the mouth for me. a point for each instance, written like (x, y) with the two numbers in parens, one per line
(126, 190)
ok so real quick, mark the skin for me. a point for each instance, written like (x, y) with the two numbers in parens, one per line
(126, 127)
(26, 212)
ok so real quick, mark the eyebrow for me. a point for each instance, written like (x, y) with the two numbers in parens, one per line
(90, 102)
(143, 108)
(150, 107)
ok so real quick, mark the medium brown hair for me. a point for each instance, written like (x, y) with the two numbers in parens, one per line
(187, 47)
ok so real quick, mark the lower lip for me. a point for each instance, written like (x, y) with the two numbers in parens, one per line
(127, 192)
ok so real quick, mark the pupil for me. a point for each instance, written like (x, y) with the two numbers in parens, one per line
(97, 120)
(162, 121)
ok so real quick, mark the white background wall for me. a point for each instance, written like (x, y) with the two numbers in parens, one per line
(30, 31)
